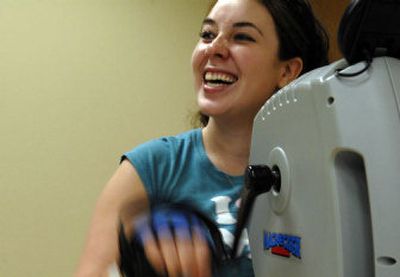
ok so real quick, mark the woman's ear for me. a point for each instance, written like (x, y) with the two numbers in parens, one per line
(291, 69)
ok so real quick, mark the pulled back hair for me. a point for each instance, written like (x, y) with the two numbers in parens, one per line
(299, 33)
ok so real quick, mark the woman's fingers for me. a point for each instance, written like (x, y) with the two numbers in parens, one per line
(154, 256)
(202, 253)
(181, 251)
(150, 245)
(185, 246)
(170, 255)
(186, 256)
(166, 243)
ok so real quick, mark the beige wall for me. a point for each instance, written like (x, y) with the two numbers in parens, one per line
(81, 81)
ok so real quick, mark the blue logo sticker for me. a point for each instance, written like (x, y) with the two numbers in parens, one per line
(282, 244)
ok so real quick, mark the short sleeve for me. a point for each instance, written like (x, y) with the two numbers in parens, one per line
(153, 161)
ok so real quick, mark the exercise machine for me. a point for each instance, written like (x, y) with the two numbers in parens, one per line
(322, 194)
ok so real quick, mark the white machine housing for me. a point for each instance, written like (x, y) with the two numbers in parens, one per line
(336, 142)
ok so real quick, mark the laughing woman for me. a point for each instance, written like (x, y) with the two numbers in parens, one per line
(247, 50)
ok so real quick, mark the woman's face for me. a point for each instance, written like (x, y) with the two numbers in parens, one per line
(235, 63)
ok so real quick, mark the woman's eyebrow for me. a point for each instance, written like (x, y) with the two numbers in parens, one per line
(208, 21)
(247, 24)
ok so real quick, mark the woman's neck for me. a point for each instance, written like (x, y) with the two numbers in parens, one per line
(228, 145)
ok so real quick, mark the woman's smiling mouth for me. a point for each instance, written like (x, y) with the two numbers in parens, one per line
(218, 79)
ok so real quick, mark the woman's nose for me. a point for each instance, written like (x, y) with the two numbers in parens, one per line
(218, 48)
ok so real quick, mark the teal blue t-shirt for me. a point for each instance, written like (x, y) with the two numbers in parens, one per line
(177, 169)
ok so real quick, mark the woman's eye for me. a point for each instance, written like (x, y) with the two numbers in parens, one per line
(244, 37)
(207, 35)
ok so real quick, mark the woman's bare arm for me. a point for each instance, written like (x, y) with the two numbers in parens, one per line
(123, 197)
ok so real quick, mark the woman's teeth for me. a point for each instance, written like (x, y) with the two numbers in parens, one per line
(215, 79)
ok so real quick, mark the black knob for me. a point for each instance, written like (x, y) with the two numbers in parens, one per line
(258, 179)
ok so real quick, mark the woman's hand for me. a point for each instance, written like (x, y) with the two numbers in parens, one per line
(175, 243)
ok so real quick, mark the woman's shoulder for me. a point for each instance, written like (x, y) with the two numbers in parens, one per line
(190, 135)
(164, 145)
(176, 141)
(160, 162)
